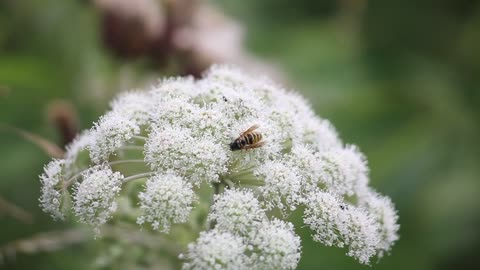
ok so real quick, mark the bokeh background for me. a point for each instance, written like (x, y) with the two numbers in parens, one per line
(401, 79)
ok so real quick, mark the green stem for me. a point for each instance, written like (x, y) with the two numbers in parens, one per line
(71, 180)
(137, 176)
(247, 181)
(217, 189)
(131, 147)
(229, 183)
(138, 137)
(241, 173)
(116, 162)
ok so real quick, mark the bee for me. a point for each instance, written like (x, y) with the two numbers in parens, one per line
(248, 139)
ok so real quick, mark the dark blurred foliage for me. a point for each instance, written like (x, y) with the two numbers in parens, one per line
(398, 78)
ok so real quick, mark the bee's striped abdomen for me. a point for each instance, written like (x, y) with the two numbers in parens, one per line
(258, 137)
(249, 138)
(253, 137)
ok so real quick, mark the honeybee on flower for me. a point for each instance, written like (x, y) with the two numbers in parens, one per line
(249, 139)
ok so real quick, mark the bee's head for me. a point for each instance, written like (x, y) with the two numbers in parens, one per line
(234, 146)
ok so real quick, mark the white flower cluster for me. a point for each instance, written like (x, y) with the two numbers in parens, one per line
(134, 105)
(176, 148)
(383, 211)
(51, 181)
(110, 133)
(183, 130)
(94, 200)
(236, 211)
(216, 250)
(337, 223)
(167, 199)
(255, 242)
(282, 186)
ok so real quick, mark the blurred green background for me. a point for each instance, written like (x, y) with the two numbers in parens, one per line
(401, 79)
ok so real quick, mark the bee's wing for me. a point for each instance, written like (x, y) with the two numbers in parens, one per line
(256, 145)
(250, 129)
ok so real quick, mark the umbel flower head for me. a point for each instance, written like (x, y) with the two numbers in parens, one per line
(162, 158)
